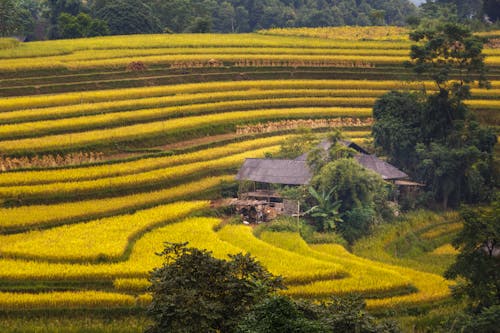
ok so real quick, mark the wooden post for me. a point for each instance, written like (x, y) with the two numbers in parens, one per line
(298, 213)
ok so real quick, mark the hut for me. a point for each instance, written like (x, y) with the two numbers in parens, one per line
(266, 203)
(262, 204)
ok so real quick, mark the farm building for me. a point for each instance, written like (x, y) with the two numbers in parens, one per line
(262, 203)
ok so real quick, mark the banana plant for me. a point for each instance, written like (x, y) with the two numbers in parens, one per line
(326, 212)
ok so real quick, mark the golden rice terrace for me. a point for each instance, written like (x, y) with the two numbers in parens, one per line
(109, 146)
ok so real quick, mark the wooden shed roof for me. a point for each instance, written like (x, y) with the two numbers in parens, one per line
(384, 169)
(275, 171)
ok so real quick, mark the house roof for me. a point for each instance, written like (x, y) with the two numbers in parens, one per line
(384, 169)
(275, 171)
(297, 172)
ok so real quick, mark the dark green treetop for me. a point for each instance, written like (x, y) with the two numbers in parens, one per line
(195, 292)
(451, 56)
(478, 262)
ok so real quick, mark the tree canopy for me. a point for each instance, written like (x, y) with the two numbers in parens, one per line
(435, 137)
(478, 261)
(348, 198)
(195, 292)
(450, 55)
(126, 17)
(152, 16)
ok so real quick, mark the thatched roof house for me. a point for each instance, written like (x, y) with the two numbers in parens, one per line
(297, 172)
(275, 171)
(384, 169)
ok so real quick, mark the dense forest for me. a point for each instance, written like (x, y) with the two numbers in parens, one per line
(42, 17)
(53, 19)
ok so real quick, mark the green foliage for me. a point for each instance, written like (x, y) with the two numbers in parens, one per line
(8, 43)
(296, 145)
(396, 130)
(478, 261)
(58, 7)
(326, 212)
(201, 25)
(349, 206)
(311, 236)
(234, 16)
(9, 18)
(445, 50)
(318, 157)
(195, 292)
(438, 141)
(279, 314)
(280, 224)
(126, 17)
(339, 314)
(81, 25)
(348, 314)
(248, 15)
(31, 20)
(298, 193)
(355, 186)
(358, 223)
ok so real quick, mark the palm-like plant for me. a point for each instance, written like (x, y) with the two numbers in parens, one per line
(326, 212)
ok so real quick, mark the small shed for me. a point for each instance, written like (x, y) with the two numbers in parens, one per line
(297, 172)
(275, 171)
(270, 171)
(384, 169)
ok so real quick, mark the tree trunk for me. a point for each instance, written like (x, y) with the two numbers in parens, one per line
(445, 200)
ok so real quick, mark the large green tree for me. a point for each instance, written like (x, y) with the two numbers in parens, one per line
(279, 314)
(397, 130)
(125, 17)
(355, 194)
(436, 138)
(9, 17)
(195, 292)
(81, 25)
(478, 262)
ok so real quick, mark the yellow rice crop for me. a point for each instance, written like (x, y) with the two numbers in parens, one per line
(188, 59)
(363, 276)
(127, 53)
(295, 268)
(198, 231)
(75, 110)
(46, 215)
(37, 128)
(430, 287)
(131, 167)
(269, 60)
(26, 102)
(133, 181)
(484, 104)
(118, 43)
(65, 300)
(345, 33)
(446, 249)
(131, 284)
(170, 126)
(101, 239)
(443, 229)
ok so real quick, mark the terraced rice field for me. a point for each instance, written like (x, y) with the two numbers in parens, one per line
(170, 136)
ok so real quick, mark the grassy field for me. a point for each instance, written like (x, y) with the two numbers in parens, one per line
(172, 117)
